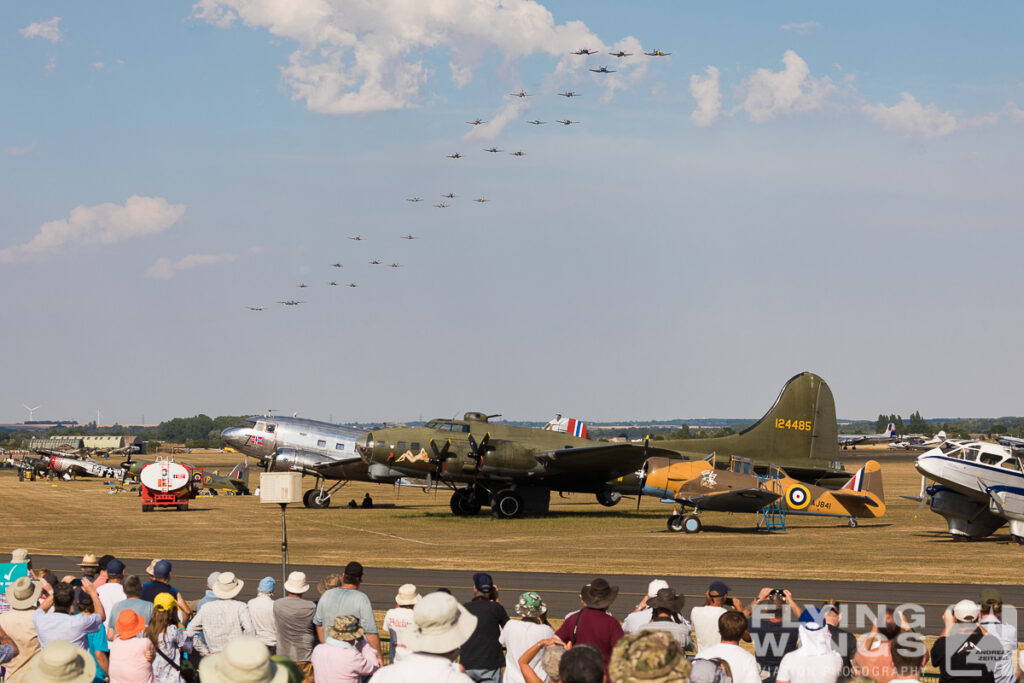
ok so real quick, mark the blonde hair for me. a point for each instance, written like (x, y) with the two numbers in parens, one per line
(328, 582)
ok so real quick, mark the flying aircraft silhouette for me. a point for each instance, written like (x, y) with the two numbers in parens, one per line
(603, 70)
(520, 153)
(569, 93)
(475, 122)
(414, 199)
(566, 122)
(291, 302)
(536, 122)
(521, 93)
(409, 237)
(492, 150)
(335, 265)
(255, 308)
(456, 156)
(657, 53)
(584, 51)
(620, 54)
(357, 238)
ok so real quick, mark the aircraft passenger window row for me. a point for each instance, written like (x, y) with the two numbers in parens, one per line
(339, 446)
(321, 443)
(414, 447)
(1011, 464)
(990, 459)
(400, 446)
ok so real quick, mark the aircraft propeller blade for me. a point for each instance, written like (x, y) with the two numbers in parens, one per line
(479, 451)
(440, 456)
(924, 498)
(641, 475)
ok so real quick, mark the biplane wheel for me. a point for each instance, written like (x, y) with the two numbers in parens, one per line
(508, 504)
(691, 524)
(675, 524)
(853, 523)
(464, 503)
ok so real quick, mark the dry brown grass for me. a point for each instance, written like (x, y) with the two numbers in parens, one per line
(581, 536)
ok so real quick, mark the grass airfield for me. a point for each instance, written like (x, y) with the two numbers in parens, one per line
(411, 528)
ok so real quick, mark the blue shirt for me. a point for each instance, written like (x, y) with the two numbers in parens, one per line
(6, 653)
(151, 589)
(74, 628)
(98, 643)
(141, 607)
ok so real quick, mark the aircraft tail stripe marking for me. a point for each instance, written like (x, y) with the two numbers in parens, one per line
(857, 483)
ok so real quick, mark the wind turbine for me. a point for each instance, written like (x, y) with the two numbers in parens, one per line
(31, 411)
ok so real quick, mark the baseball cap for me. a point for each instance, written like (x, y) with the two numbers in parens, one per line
(654, 586)
(991, 596)
(966, 610)
(165, 602)
(354, 569)
(162, 569)
(483, 582)
(115, 567)
(719, 587)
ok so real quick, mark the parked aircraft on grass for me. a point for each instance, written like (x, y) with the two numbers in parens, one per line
(978, 488)
(853, 439)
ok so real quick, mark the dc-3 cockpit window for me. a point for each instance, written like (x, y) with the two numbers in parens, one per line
(261, 426)
(270, 428)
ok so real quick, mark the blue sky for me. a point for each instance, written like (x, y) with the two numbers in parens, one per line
(797, 187)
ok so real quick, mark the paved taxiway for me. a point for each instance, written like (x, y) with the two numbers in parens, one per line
(561, 590)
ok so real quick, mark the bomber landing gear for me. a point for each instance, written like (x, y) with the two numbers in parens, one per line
(688, 523)
(465, 503)
(508, 504)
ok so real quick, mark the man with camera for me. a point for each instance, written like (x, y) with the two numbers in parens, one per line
(704, 618)
(773, 628)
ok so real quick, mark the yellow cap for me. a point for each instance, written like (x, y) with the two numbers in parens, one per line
(165, 602)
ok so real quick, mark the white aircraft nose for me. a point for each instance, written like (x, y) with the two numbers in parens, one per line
(928, 465)
(235, 437)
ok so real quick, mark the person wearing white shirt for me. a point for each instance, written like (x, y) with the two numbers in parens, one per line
(398, 621)
(731, 626)
(815, 661)
(704, 619)
(261, 613)
(442, 625)
(642, 614)
(112, 592)
(1006, 633)
(519, 635)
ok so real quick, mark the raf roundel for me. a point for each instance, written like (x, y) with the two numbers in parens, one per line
(797, 497)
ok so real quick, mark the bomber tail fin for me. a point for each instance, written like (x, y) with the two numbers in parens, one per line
(801, 424)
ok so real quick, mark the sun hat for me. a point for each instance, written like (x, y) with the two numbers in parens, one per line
(243, 660)
(267, 584)
(967, 611)
(227, 586)
(151, 569)
(407, 595)
(165, 602)
(991, 596)
(530, 605)
(483, 583)
(667, 599)
(649, 656)
(62, 662)
(296, 583)
(129, 624)
(212, 579)
(598, 594)
(654, 586)
(19, 555)
(24, 593)
(345, 627)
(115, 567)
(441, 625)
(88, 560)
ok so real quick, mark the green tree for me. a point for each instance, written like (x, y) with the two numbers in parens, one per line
(917, 424)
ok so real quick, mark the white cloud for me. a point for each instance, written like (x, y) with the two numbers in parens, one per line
(708, 96)
(51, 64)
(164, 269)
(100, 224)
(47, 30)
(512, 110)
(1014, 112)
(98, 66)
(803, 27)
(357, 57)
(790, 91)
(910, 117)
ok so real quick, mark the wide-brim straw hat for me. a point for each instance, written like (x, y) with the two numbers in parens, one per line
(649, 657)
(89, 560)
(227, 586)
(60, 662)
(20, 555)
(599, 594)
(243, 660)
(407, 595)
(441, 625)
(24, 593)
(296, 583)
(152, 567)
(667, 599)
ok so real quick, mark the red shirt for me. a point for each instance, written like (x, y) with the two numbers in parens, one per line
(593, 627)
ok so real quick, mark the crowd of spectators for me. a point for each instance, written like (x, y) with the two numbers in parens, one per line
(106, 625)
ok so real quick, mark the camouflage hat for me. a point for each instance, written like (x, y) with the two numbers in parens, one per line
(530, 605)
(649, 657)
(345, 627)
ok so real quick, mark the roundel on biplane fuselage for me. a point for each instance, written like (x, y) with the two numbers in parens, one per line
(798, 497)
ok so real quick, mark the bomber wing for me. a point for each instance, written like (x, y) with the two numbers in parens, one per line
(602, 462)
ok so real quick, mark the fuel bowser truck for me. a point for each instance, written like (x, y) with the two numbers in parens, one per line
(169, 484)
